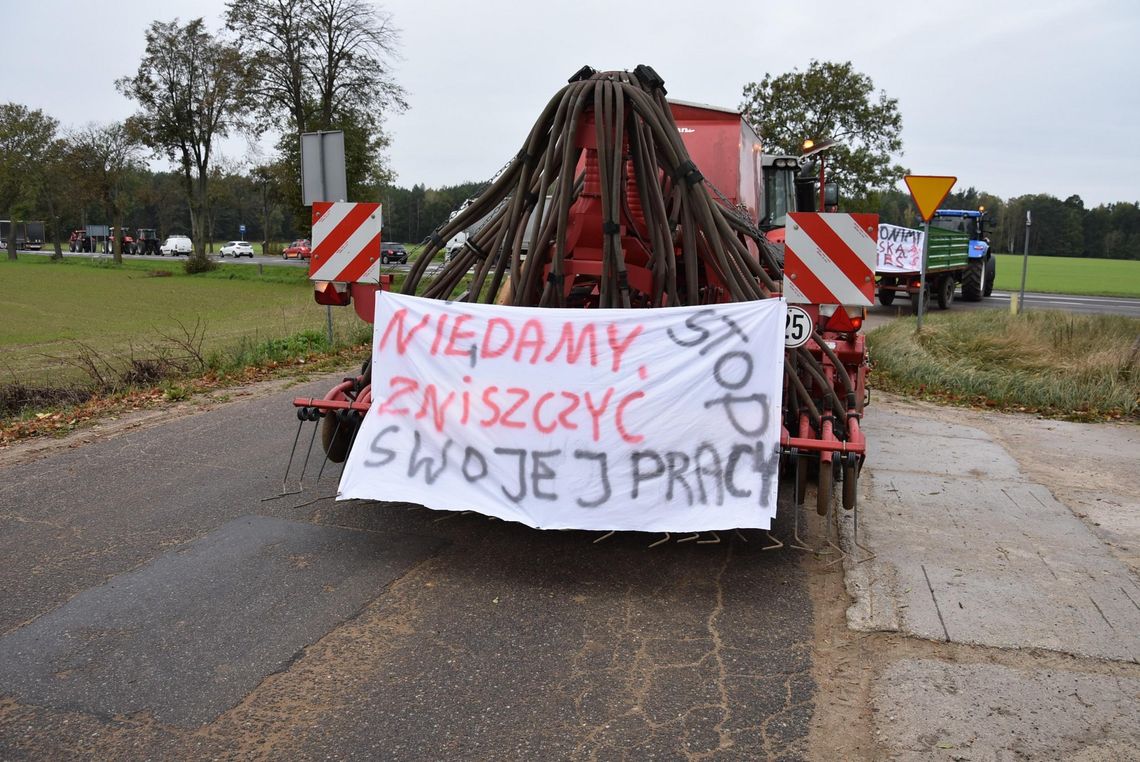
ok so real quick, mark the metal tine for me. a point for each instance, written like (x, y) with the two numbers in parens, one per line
(604, 537)
(798, 543)
(351, 444)
(288, 467)
(694, 536)
(662, 541)
(308, 453)
(714, 541)
(740, 535)
(336, 430)
(832, 519)
(776, 546)
(855, 518)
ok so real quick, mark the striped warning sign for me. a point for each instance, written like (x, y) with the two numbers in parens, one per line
(830, 258)
(346, 242)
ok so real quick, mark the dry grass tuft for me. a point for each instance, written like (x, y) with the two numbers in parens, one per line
(1055, 363)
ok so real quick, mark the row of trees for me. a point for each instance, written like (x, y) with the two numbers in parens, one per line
(833, 101)
(1061, 228)
(308, 65)
(279, 66)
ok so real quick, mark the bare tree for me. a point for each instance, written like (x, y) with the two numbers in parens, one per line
(323, 64)
(189, 87)
(317, 59)
(103, 158)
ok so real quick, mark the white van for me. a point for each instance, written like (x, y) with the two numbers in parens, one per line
(176, 244)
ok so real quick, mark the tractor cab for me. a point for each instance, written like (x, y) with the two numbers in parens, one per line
(962, 221)
(779, 190)
(972, 223)
(791, 184)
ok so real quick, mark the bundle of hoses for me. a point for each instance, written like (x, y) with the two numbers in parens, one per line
(683, 230)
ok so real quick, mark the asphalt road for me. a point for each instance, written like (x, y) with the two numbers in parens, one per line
(154, 604)
(1092, 305)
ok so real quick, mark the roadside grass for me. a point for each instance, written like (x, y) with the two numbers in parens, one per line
(55, 313)
(1070, 275)
(1059, 365)
(85, 338)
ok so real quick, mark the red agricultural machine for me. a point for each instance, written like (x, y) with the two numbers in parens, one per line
(622, 199)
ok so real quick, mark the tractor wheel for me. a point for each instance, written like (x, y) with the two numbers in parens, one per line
(850, 482)
(991, 273)
(823, 487)
(886, 297)
(945, 292)
(336, 436)
(972, 281)
(916, 299)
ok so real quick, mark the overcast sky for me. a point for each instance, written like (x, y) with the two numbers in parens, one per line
(1011, 97)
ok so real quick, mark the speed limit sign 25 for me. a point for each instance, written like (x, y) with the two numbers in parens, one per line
(797, 327)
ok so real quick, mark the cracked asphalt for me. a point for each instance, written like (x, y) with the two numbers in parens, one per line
(144, 614)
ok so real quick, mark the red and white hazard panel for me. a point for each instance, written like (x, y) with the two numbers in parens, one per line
(346, 242)
(830, 258)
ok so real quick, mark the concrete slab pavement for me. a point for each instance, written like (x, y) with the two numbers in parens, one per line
(1039, 612)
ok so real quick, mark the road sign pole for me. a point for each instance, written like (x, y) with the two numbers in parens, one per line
(928, 192)
(922, 273)
(1024, 262)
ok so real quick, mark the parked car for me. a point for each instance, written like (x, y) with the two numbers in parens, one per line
(237, 249)
(175, 245)
(299, 249)
(393, 252)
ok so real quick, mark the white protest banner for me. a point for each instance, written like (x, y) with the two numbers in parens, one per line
(664, 420)
(900, 249)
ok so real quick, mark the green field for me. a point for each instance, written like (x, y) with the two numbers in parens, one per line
(50, 311)
(1070, 275)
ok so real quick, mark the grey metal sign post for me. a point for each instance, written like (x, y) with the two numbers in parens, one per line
(1024, 261)
(922, 273)
(323, 177)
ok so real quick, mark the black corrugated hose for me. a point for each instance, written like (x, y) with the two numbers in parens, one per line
(679, 214)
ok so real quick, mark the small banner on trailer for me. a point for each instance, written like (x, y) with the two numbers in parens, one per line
(900, 249)
(663, 420)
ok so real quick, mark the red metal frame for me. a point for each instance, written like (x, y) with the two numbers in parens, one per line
(584, 266)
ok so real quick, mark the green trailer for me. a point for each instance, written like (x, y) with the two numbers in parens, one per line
(948, 260)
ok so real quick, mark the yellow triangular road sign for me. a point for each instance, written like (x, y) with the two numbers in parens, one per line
(928, 192)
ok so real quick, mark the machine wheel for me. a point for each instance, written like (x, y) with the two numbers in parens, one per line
(945, 292)
(823, 488)
(850, 482)
(917, 298)
(336, 436)
(991, 273)
(972, 281)
(383, 259)
(886, 297)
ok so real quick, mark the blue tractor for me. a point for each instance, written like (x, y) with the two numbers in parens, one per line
(978, 279)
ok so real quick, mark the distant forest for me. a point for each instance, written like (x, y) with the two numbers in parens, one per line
(1063, 228)
(1060, 228)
